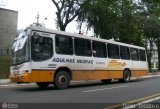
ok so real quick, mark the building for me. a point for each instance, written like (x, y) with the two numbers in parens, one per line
(8, 29)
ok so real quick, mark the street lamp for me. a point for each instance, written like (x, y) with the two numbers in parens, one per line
(43, 21)
(40, 24)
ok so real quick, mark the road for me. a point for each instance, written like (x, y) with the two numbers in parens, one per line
(82, 95)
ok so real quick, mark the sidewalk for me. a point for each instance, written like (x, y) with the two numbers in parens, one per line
(2, 81)
(154, 73)
(150, 75)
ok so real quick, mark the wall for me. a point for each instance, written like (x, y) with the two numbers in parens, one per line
(8, 29)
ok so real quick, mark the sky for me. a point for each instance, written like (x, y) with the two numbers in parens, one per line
(28, 9)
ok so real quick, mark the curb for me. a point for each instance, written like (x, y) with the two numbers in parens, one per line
(150, 76)
(2, 81)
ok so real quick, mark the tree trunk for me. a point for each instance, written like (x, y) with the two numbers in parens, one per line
(149, 61)
(149, 55)
(62, 28)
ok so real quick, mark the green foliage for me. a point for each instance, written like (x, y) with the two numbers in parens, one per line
(149, 19)
(102, 17)
(114, 20)
(128, 21)
(4, 66)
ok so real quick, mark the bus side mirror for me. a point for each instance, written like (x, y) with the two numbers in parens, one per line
(94, 52)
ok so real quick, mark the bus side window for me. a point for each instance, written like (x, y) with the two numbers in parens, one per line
(113, 51)
(100, 49)
(124, 53)
(82, 47)
(134, 54)
(64, 45)
(142, 55)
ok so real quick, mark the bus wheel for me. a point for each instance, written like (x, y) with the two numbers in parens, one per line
(62, 80)
(42, 84)
(105, 81)
(126, 77)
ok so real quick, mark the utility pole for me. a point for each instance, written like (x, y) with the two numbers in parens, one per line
(37, 17)
(38, 24)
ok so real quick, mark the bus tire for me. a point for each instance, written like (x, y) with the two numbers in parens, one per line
(62, 80)
(106, 81)
(42, 84)
(126, 77)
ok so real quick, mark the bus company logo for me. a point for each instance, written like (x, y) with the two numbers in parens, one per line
(4, 105)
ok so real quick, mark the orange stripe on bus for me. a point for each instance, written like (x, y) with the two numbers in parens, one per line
(48, 75)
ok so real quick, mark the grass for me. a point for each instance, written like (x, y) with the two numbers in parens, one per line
(4, 67)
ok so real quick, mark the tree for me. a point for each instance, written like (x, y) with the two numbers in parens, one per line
(113, 20)
(152, 33)
(67, 11)
(151, 26)
(125, 21)
(129, 28)
(148, 26)
(100, 15)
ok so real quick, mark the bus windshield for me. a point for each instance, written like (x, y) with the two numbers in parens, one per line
(20, 51)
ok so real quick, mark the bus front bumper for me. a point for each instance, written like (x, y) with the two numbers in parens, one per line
(20, 78)
(34, 76)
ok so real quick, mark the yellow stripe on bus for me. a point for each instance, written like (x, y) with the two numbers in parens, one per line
(48, 75)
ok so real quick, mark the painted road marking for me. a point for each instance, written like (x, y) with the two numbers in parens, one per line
(105, 89)
(140, 100)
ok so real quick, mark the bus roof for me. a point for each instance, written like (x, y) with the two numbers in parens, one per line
(47, 30)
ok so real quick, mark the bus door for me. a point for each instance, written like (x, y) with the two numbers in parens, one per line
(83, 59)
(41, 50)
(114, 63)
(100, 63)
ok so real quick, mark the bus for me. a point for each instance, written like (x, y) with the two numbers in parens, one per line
(47, 56)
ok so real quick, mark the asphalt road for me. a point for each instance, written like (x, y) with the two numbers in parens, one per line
(81, 95)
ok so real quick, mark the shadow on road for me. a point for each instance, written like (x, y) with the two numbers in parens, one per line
(76, 85)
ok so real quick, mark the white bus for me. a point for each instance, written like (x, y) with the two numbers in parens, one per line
(48, 56)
